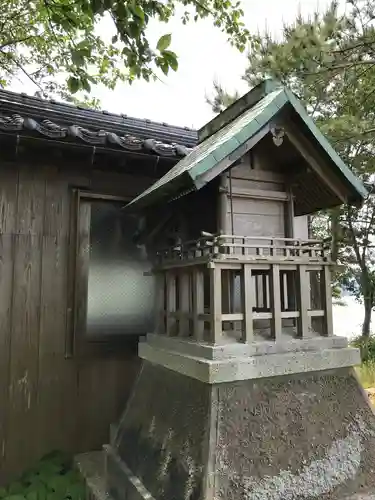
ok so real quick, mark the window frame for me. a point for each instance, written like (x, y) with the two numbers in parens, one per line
(77, 342)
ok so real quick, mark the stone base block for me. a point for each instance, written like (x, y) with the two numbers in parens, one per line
(234, 362)
(309, 436)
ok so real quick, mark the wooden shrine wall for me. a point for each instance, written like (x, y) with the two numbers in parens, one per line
(47, 401)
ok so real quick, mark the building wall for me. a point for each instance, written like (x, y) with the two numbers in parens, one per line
(46, 400)
(257, 203)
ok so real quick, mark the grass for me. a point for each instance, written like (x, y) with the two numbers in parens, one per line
(53, 478)
(366, 374)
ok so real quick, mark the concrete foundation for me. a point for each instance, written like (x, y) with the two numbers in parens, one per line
(303, 436)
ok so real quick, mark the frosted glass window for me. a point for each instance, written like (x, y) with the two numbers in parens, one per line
(120, 289)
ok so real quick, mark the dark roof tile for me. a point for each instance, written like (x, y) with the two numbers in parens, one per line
(54, 120)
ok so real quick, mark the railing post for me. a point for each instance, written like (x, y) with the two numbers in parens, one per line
(215, 302)
(198, 303)
(276, 324)
(160, 306)
(326, 292)
(184, 303)
(247, 303)
(303, 301)
(171, 302)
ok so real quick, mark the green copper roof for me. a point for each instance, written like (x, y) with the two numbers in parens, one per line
(187, 174)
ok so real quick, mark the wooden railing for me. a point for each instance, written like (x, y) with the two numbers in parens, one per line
(220, 291)
(248, 247)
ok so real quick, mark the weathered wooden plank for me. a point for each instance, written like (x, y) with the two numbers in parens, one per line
(24, 352)
(6, 286)
(160, 303)
(258, 225)
(184, 302)
(244, 172)
(8, 212)
(247, 303)
(327, 301)
(53, 369)
(25, 317)
(275, 298)
(250, 206)
(198, 303)
(170, 302)
(8, 197)
(31, 195)
(303, 301)
(215, 304)
(81, 274)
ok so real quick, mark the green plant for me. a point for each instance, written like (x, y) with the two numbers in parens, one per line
(53, 478)
(65, 46)
(366, 374)
(367, 347)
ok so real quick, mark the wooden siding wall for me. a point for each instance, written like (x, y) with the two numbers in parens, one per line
(47, 401)
(258, 201)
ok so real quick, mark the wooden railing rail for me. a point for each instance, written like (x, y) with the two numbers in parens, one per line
(248, 247)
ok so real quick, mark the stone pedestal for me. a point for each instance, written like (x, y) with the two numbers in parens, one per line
(244, 422)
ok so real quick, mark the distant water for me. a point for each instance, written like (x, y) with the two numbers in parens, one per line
(347, 319)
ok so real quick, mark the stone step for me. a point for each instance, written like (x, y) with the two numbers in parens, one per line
(91, 467)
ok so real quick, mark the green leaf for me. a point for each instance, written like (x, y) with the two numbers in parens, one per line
(77, 58)
(32, 495)
(73, 84)
(171, 59)
(138, 11)
(16, 488)
(164, 42)
(15, 497)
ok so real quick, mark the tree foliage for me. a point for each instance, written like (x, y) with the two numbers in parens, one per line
(329, 62)
(58, 45)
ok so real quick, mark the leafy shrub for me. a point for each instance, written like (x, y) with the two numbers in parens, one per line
(53, 478)
(367, 347)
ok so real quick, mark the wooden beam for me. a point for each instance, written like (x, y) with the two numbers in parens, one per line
(198, 303)
(303, 289)
(260, 194)
(184, 302)
(215, 303)
(327, 301)
(223, 204)
(247, 303)
(159, 302)
(276, 325)
(289, 215)
(171, 302)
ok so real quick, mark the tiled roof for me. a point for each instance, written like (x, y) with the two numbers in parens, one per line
(20, 113)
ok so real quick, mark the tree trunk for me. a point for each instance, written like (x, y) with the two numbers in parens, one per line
(335, 234)
(367, 317)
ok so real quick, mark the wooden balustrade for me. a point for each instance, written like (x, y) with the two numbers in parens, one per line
(214, 299)
(246, 247)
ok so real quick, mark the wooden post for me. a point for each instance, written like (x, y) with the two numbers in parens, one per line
(184, 303)
(171, 303)
(303, 301)
(247, 303)
(327, 301)
(160, 302)
(198, 303)
(276, 325)
(215, 302)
